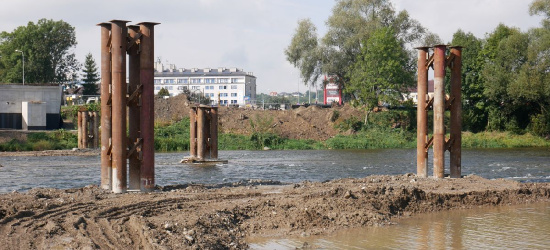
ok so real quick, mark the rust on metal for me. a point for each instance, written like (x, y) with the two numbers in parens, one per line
(146, 76)
(106, 170)
(214, 133)
(134, 112)
(456, 113)
(119, 89)
(193, 133)
(439, 111)
(422, 115)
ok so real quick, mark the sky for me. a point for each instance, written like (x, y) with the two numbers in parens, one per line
(247, 34)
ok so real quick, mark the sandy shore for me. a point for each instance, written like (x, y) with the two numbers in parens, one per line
(199, 216)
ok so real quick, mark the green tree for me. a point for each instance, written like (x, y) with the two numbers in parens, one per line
(90, 76)
(163, 92)
(303, 52)
(473, 101)
(47, 48)
(382, 72)
(541, 7)
(351, 23)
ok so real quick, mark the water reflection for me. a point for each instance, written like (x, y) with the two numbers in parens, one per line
(516, 227)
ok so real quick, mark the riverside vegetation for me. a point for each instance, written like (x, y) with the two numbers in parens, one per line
(390, 129)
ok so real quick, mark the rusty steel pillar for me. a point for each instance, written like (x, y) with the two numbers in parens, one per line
(439, 111)
(85, 124)
(456, 112)
(193, 133)
(106, 170)
(79, 128)
(134, 112)
(95, 127)
(147, 57)
(201, 133)
(214, 133)
(207, 138)
(119, 141)
(422, 114)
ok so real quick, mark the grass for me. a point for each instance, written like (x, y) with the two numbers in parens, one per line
(174, 136)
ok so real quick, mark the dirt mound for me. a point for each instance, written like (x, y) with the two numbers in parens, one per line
(202, 217)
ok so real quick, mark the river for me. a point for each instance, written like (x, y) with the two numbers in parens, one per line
(523, 227)
(24, 173)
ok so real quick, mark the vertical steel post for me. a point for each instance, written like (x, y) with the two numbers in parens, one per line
(85, 131)
(201, 133)
(119, 140)
(207, 135)
(456, 113)
(79, 129)
(106, 170)
(147, 57)
(439, 111)
(214, 133)
(193, 133)
(422, 114)
(134, 111)
(96, 129)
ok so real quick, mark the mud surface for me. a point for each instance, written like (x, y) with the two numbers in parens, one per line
(206, 217)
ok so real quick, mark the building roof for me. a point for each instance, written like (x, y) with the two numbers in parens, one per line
(195, 72)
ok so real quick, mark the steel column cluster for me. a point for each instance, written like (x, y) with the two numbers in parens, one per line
(117, 149)
(204, 133)
(438, 60)
(88, 136)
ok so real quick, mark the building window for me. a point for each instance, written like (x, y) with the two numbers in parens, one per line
(195, 87)
(224, 80)
(158, 81)
(157, 88)
(196, 80)
(233, 101)
(223, 94)
(168, 80)
(223, 86)
(233, 94)
(210, 80)
(234, 80)
(223, 101)
(182, 81)
(209, 87)
(233, 86)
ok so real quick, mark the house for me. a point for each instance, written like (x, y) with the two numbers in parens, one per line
(413, 95)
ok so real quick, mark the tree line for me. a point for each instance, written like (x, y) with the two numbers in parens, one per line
(45, 49)
(369, 48)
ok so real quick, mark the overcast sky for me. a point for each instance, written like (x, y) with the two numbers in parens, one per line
(247, 34)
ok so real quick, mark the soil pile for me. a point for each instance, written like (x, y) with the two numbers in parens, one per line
(312, 122)
(200, 216)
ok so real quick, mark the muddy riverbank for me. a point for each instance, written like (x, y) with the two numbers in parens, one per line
(201, 216)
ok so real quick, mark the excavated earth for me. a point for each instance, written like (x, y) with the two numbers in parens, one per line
(221, 217)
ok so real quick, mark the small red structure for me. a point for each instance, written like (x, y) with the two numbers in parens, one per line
(332, 91)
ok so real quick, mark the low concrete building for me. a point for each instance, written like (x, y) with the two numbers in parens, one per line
(30, 107)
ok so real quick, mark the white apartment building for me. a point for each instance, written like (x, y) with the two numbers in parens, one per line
(224, 86)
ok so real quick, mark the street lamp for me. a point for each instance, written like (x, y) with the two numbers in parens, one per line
(23, 55)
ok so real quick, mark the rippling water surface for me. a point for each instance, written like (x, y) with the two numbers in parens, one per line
(23, 173)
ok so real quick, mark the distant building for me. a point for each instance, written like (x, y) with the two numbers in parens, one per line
(223, 86)
(413, 95)
(30, 107)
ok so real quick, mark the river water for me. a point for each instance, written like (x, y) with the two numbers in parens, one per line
(23, 173)
(526, 227)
